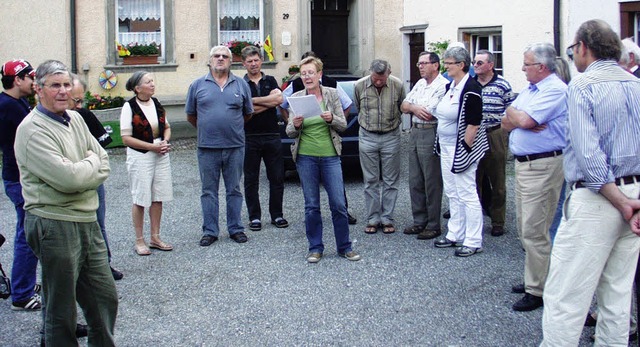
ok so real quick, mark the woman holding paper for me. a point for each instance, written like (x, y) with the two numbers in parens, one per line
(316, 151)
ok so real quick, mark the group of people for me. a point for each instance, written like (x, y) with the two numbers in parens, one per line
(584, 134)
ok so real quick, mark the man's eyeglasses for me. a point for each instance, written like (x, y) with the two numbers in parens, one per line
(530, 64)
(308, 74)
(422, 63)
(447, 63)
(477, 63)
(224, 56)
(59, 86)
(78, 101)
(570, 50)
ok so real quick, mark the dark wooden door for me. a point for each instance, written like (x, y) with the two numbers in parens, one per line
(330, 34)
(416, 46)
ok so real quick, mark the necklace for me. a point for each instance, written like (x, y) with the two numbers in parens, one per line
(142, 100)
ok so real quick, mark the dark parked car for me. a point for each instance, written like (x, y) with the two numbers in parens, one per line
(350, 154)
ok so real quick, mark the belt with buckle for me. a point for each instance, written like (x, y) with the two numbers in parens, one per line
(530, 157)
(424, 125)
(620, 181)
(380, 132)
(493, 128)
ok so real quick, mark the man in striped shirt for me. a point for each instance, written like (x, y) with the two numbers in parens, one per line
(595, 249)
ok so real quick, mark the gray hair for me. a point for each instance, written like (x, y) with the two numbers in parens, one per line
(219, 48)
(458, 54)
(631, 47)
(544, 54)
(490, 57)
(75, 77)
(249, 51)
(380, 67)
(50, 67)
(134, 80)
(562, 70)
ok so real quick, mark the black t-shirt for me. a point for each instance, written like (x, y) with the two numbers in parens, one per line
(95, 127)
(264, 123)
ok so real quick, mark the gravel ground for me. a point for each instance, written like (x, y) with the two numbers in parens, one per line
(404, 292)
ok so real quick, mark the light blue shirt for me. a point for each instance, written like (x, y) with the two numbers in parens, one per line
(546, 103)
(604, 126)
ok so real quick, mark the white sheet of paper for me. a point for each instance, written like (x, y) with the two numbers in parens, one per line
(305, 106)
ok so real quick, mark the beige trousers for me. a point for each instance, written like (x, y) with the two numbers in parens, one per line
(538, 185)
(594, 251)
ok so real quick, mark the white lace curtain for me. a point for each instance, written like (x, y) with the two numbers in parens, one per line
(239, 8)
(140, 9)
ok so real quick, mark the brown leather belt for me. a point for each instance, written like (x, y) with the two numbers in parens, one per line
(530, 157)
(620, 181)
(493, 128)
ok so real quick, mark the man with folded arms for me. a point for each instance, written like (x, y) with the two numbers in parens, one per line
(537, 122)
(595, 249)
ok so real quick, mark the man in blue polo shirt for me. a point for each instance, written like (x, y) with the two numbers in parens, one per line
(537, 120)
(218, 104)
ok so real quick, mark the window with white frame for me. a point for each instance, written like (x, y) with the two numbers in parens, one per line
(141, 22)
(485, 38)
(240, 20)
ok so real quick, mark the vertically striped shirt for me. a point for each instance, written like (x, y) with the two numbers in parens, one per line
(604, 125)
(379, 111)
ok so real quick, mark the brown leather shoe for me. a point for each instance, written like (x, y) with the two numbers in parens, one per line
(428, 234)
(413, 230)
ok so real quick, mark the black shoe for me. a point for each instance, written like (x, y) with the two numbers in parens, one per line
(445, 242)
(518, 288)
(497, 230)
(446, 214)
(81, 330)
(352, 220)
(239, 237)
(590, 321)
(255, 225)
(528, 303)
(207, 240)
(117, 275)
(280, 222)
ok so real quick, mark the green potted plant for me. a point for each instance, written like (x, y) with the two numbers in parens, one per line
(135, 53)
(236, 47)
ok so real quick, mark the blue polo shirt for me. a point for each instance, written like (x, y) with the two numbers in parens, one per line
(219, 110)
(546, 103)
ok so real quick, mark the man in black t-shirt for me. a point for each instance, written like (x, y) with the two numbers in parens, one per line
(262, 142)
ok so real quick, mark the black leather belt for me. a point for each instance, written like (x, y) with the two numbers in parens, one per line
(380, 132)
(493, 128)
(424, 125)
(620, 181)
(530, 157)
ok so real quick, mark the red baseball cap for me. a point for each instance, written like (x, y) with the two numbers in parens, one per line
(17, 66)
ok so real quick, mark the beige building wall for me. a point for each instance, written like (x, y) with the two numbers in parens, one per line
(387, 36)
(34, 32)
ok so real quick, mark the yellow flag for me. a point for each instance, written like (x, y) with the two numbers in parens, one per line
(268, 48)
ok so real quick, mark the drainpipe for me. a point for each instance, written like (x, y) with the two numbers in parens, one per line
(556, 26)
(72, 26)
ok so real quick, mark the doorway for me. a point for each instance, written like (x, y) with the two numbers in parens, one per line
(330, 34)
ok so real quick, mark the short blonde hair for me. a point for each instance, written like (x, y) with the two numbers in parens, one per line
(219, 48)
(312, 60)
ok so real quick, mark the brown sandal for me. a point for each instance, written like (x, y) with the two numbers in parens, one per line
(142, 250)
(388, 229)
(161, 245)
(371, 229)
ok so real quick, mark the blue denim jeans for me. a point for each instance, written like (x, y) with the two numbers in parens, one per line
(100, 213)
(229, 162)
(25, 263)
(314, 171)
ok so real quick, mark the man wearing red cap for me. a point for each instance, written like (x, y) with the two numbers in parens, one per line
(17, 81)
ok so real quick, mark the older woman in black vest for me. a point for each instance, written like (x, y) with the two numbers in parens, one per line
(146, 132)
(462, 141)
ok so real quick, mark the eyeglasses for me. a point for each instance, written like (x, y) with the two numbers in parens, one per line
(570, 50)
(421, 63)
(530, 64)
(477, 63)
(223, 56)
(447, 63)
(308, 74)
(58, 86)
(78, 101)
